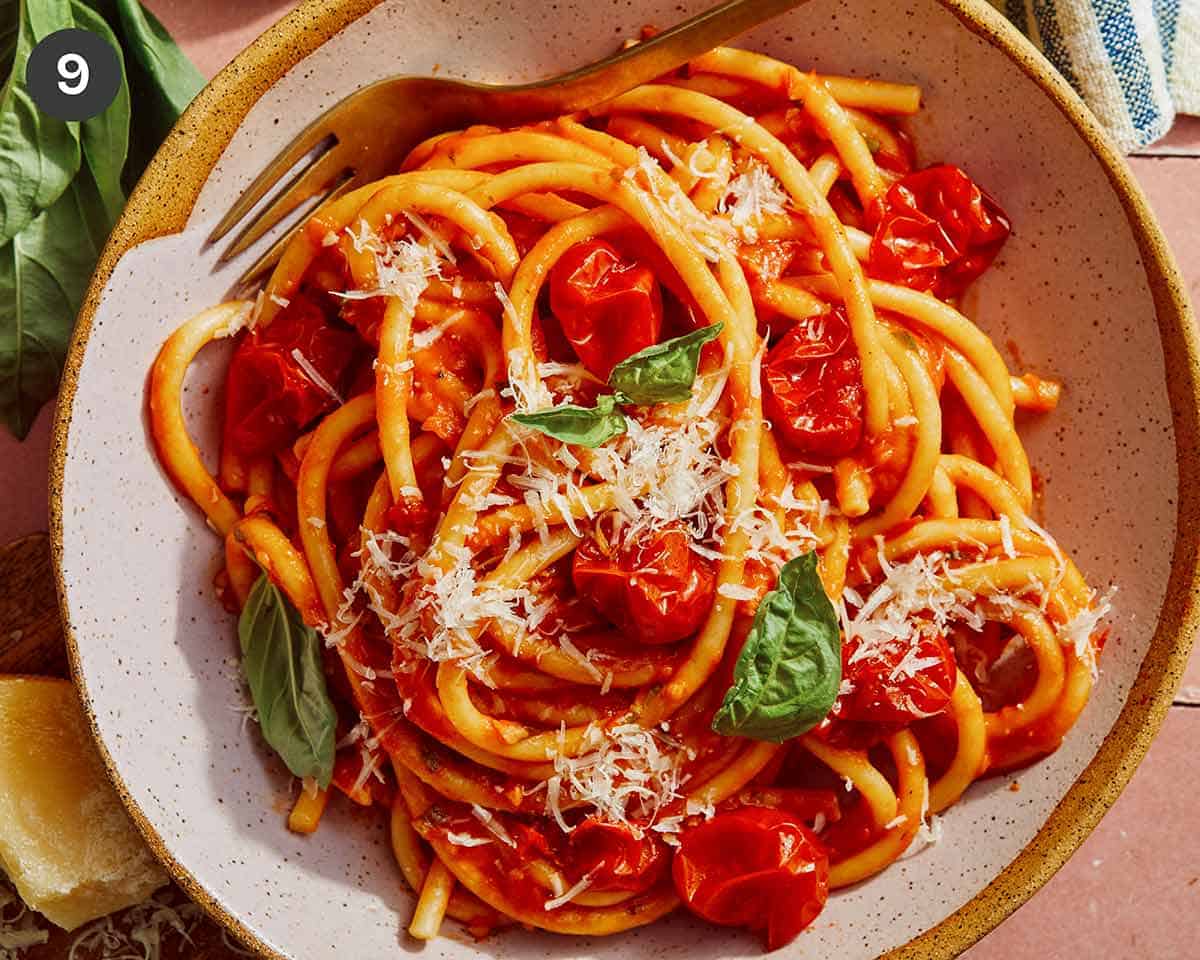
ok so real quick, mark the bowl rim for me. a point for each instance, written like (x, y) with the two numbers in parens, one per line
(166, 195)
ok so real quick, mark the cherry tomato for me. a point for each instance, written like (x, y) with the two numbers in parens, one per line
(768, 261)
(269, 398)
(617, 856)
(896, 682)
(654, 586)
(813, 390)
(609, 307)
(937, 231)
(753, 867)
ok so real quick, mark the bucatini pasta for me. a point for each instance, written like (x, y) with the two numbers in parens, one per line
(607, 494)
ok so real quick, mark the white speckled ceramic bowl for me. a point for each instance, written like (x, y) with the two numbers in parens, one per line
(1086, 286)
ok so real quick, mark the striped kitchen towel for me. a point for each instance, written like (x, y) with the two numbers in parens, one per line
(1135, 62)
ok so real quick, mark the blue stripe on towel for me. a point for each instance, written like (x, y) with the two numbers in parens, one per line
(1053, 45)
(1015, 11)
(1166, 12)
(1119, 36)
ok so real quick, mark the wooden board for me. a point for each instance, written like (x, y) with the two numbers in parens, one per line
(31, 641)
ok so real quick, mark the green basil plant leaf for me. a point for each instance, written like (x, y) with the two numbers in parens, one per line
(105, 137)
(63, 185)
(585, 426)
(39, 155)
(162, 81)
(789, 671)
(665, 372)
(44, 272)
(282, 659)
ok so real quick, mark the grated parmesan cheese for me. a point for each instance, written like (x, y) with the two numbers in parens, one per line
(755, 195)
(568, 895)
(494, 826)
(1006, 537)
(402, 268)
(19, 928)
(431, 235)
(1076, 634)
(630, 774)
(138, 932)
(736, 591)
(467, 840)
(663, 199)
(314, 375)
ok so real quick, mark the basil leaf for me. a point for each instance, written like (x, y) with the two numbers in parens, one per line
(665, 372)
(789, 671)
(10, 23)
(162, 80)
(44, 272)
(38, 154)
(105, 137)
(62, 185)
(282, 659)
(585, 426)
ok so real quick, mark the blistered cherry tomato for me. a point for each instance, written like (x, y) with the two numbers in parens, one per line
(766, 262)
(609, 306)
(269, 397)
(617, 856)
(937, 231)
(813, 390)
(753, 867)
(896, 682)
(653, 586)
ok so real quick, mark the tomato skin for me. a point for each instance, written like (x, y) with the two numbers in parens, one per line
(609, 306)
(655, 588)
(812, 388)
(268, 396)
(766, 262)
(937, 231)
(753, 867)
(875, 697)
(617, 856)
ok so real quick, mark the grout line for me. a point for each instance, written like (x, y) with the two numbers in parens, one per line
(1191, 154)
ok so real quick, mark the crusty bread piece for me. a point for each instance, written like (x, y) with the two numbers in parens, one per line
(66, 842)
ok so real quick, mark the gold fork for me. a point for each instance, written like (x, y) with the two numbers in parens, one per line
(367, 135)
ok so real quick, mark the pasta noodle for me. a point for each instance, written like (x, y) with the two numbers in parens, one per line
(538, 589)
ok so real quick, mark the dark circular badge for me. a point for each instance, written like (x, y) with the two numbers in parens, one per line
(73, 74)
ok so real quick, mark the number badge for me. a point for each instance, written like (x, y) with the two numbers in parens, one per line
(73, 74)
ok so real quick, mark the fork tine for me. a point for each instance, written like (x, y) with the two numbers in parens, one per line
(309, 183)
(313, 136)
(275, 253)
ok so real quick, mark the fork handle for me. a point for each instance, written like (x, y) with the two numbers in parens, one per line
(642, 62)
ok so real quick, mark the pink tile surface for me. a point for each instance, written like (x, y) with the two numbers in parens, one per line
(213, 33)
(1133, 889)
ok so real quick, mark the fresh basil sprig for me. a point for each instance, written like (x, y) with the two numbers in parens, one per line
(62, 185)
(584, 426)
(664, 372)
(789, 671)
(282, 659)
